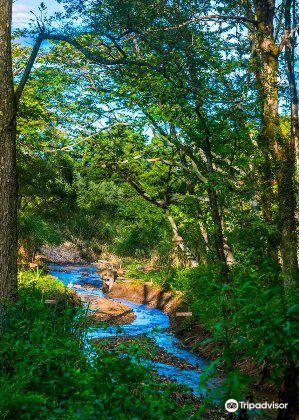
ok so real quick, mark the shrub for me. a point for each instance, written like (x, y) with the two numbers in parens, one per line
(46, 371)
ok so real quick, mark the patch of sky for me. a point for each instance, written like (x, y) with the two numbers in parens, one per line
(22, 11)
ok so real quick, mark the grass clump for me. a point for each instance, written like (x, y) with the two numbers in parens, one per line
(45, 372)
(253, 322)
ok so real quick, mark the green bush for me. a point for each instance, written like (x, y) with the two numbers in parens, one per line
(45, 371)
(35, 231)
(253, 320)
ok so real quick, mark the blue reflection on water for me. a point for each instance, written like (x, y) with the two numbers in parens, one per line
(150, 321)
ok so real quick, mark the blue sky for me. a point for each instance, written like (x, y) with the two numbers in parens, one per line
(21, 10)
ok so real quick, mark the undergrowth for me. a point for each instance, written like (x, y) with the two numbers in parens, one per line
(45, 371)
(253, 321)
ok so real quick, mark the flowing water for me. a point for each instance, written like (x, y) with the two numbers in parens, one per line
(149, 321)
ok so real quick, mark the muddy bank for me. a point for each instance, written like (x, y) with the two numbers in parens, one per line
(142, 346)
(189, 331)
(102, 310)
(146, 294)
(192, 334)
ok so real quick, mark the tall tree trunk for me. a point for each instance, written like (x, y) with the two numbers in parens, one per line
(218, 234)
(178, 242)
(289, 234)
(265, 182)
(202, 228)
(8, 175)
(280, 146)
(211, 190)
(287, 220)
(290, 45)
(218, 237)
(213, 200)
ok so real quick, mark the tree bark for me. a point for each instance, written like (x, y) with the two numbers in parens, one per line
(280, 146)
(289, 393)
(265, 181)
(178, 241)
(203, 231)
(8, 172)
(213, 199)
(290, 45)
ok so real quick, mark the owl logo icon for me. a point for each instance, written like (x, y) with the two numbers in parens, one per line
(231, 405)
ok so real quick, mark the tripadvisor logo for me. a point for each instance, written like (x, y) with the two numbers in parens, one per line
(232, 405)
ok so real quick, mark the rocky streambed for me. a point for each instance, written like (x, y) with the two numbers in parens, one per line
(129, 322)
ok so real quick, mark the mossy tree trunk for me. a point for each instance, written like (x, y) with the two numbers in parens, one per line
(281, 148)
(8, 172)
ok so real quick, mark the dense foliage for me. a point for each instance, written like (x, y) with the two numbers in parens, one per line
(46, 374)
(259, 331)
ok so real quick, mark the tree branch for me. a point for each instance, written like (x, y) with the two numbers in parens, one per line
(28, 67)
(206, 17)
(143, 193)
(93, 56)
(286, 36)
(82, 140)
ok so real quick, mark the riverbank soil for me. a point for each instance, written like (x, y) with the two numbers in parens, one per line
(103, 310)
(108, 311)
(144, 346)
(194, 336)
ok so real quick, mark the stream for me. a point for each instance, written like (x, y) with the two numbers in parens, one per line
(150, 321)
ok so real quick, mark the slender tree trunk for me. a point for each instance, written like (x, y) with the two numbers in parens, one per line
(204, 234)
(287, 187)
(266, 178)
(203, 231)
(178, 241)
(218, 234)
(218, 237)
(290, 9)
(8, 174)
(214, 204)
(211, 190)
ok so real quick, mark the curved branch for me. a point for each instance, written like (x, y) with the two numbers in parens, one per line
(144, 194)
(90, 55)
(28, 67)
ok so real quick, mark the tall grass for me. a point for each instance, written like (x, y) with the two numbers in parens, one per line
(45, 374)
